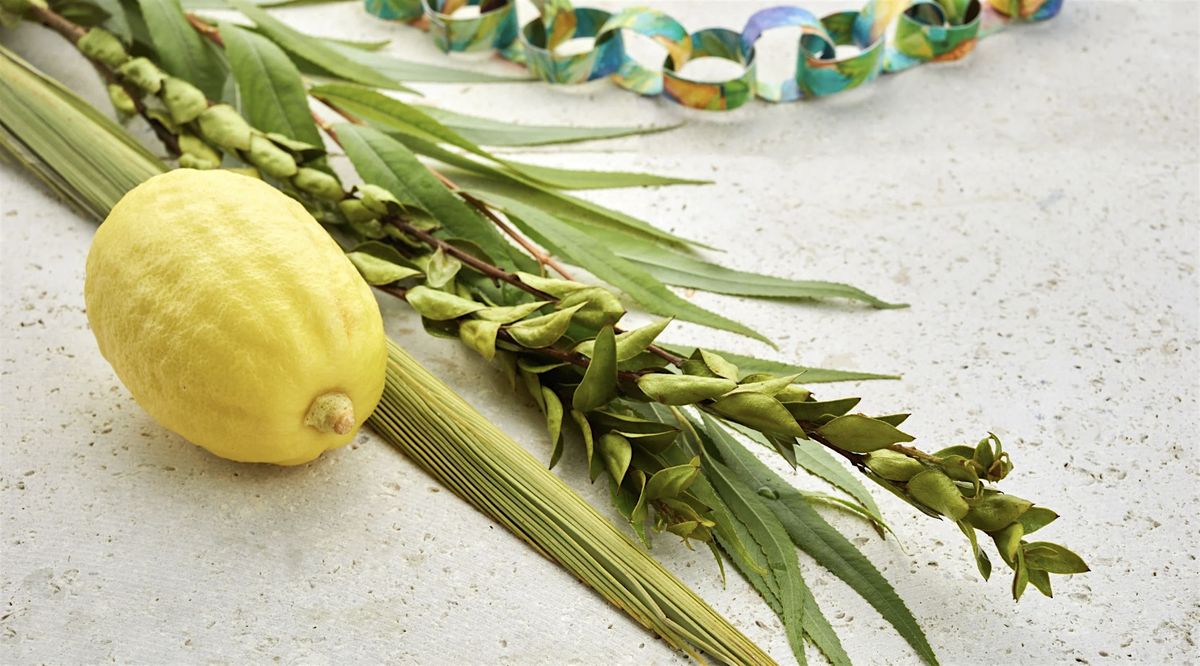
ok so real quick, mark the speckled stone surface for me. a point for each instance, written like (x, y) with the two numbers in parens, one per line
(1037, 204)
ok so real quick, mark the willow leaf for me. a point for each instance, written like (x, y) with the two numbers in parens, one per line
(309, 48)
(401, 71)
(582, 179)
(567, 242)
(579, 212)
(817, 460)
(489, 132)
(390, 113)
(273, 97)
(812, 534)
(743, 551)
(395, 116)
(750, 364)
(686, 270)
(181, 50)
(383, 161)
(683, 271)
(764, 528)
(118, 19)
(667, 259)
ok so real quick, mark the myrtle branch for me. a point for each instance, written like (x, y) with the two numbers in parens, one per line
(74, 32)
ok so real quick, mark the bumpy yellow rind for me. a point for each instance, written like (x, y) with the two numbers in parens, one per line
(227, 311)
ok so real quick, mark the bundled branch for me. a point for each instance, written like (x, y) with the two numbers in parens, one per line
(659, 422)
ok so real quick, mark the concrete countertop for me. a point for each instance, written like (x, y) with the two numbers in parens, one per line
(1036, 203)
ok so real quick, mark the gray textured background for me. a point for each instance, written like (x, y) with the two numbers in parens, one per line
(1036, 203)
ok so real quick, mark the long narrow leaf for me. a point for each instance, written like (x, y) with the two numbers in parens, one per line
(750, 365)
(463, 450)
(45, 125)
(309, 48)
(488, 132)
(273, 96)
(383, 161)
(815, 459)
(397, 117)
(784, 578)
(812, 534)
(181, 50)
(566, 242)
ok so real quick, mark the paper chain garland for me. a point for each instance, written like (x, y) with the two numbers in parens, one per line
(924, 31)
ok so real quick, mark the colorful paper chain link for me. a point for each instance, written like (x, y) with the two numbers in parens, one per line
(924, 31)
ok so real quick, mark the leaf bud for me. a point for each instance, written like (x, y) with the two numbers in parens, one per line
(377, 199)
(355, 211)
(183, 100)
(1008, 540)
(121, 100)
(993, 512)
(194, 146)
(936, 491)
(318, 183)
(893, 466)
(142, 73)
(193, 162)
(223, 125)
(20, 7)
(600, 307)
(270, 158)
(102, 45)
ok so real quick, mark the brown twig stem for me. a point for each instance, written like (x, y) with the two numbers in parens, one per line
(543, 258)
(574, 358)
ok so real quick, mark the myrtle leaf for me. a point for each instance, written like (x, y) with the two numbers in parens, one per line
(1053, 558)
(717, 363)
(510, 313)
(761, 412)
(553, 286)
(599, 385)
(589, 444)
(672, 481)
(378, 271)
(981, 559)
(1036, 518)
(554, 417)
(653, 442)
(861, 434)
(441, 269)
(637, 517)
(770, 387)
(439, 305)
(480, 335)
(616, 454)
(812, 411)
(672, 389)
(1040, 579)
(542, 331)
(938, 492)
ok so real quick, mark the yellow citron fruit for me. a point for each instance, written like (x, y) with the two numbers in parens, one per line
(233, 318)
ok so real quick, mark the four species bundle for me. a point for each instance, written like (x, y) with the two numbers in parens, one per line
(475, 244)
